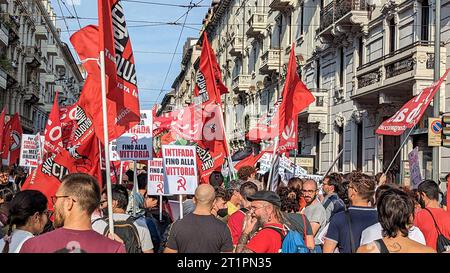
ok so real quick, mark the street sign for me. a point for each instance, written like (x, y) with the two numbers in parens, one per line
(434, 132)
(446, 131)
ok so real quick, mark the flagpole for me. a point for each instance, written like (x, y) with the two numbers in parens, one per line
(134, 188)
(334, 162)
(106, 141)
(399, 150)
(160, 207)
(181, 206)
(274, 154)
(120, 172)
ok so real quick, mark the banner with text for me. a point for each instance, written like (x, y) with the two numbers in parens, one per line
(180, 169)
(137, 143)
(30, 154)
(155, 185)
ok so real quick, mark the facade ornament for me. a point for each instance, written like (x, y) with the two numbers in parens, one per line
(339, 120)
(357, 115)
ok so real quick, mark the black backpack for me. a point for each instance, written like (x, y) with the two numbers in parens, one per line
(443, 243)
(128, 232)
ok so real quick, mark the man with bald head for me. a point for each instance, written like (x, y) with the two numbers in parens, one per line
(200, 231)
(314, 211)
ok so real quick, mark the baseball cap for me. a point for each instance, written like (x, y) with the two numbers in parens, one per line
(268, 196)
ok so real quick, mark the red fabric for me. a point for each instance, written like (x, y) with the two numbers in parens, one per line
(250, 160)
(296, 97)
(207, 76)
(235, 224)
(14, 139)
(53, 130)
(266, 240)
(161, 123)
(122, 91)
(411, 113)
(424, 222)
(67, 117)
(302, 203)
(2, 129)
(217, 72)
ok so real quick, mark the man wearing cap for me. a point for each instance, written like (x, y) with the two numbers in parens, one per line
(264, 212)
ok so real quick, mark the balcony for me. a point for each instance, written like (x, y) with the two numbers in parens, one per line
(59, 63)
(4, 34)
(237, 46)
(341, 15)
(242, 83)
(3, 79)
(281, 5)
(270, 61)
(257, 25)
(33, 56)
(52, 50)
(41, 32)
(317, 112)
(32, 93)
(398, 71)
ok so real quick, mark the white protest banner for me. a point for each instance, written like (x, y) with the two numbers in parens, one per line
(414, 168)
(30, 151)
(113, 154)
(299, 171)
(155, 185)
(137, 143)
(265, 163)
(180, 169)
(286, 164)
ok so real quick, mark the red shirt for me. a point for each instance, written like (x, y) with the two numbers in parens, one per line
(67, 240)
(266, 240)
(424, 222)
(302, 203)
(235, 224)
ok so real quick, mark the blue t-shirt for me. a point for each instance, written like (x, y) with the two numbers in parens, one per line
(338, 231)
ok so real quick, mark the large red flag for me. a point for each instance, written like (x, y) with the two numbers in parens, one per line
(67, 117)
(2, 130)
(53, 130)
(295, 98)
(13, 140)
(122, 91)
(208, 75)
(411, 113)
(161, 123)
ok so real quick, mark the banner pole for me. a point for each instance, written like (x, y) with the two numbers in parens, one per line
(120, 172)
(275, 147)
(106, 141)
(334, 162)
(398, 152)
(181, 206)
(160, 207)
(134, 188)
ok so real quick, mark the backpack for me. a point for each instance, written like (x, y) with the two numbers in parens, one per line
(293, 241)
(442, 243)
(128, 232)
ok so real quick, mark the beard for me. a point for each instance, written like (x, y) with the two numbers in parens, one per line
(59, 219)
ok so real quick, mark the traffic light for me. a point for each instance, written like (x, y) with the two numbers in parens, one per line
(446, 130)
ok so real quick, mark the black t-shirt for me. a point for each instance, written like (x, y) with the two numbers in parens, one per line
(200, 234)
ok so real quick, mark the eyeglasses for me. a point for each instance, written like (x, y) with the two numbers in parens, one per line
(55, 198)
(257, 208)
(309, 191)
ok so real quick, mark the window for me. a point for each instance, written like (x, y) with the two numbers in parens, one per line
(340, 135)
(289, 22)
(318, 74)
(359, 149)
(361, 51)
(341, 67)
(317, 163)
(302, 10)
(424, 36)
(392, 35)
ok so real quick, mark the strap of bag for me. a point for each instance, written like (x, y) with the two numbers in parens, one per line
(278, 230)
(381, 246)
(349, 223)
(434, 220)
(304, 226)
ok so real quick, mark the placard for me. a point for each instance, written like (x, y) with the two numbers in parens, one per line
(416, 177)
(30, 151)
(180, 169)
(155, 185)
(136, 144)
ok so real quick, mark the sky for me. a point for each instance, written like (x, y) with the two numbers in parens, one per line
(154, 41)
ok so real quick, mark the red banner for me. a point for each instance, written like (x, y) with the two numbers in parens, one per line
(67, 117)
(2, 130)
(13, 140)
(122, 91)
(53, 130)
(411, 113)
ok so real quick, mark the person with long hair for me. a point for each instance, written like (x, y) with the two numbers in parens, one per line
(28, 216)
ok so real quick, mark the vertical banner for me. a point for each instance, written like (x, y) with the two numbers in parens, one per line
(180, 169)
(30, 151)
(155, 185)
(137, 143)
(416, 177)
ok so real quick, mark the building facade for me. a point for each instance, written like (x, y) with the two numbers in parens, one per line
(34, 63)
(362, 60)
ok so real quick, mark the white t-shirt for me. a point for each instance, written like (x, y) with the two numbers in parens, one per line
(18, 237)
(140, 224)
(374, 232)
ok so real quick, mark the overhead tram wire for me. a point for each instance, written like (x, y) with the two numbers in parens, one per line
(76, 13)
(67, 26)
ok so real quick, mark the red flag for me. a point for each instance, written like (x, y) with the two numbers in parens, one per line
(161, 123)
(217, 73)
(68, 120)
(122, 91)
(2, 129)
(207, 76)
(13, 140)
(295, 98)
(265, 129)
(53, 130)
(411, 113)
(251, 160)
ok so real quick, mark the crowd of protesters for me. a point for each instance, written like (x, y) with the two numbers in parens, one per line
(343, 213)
